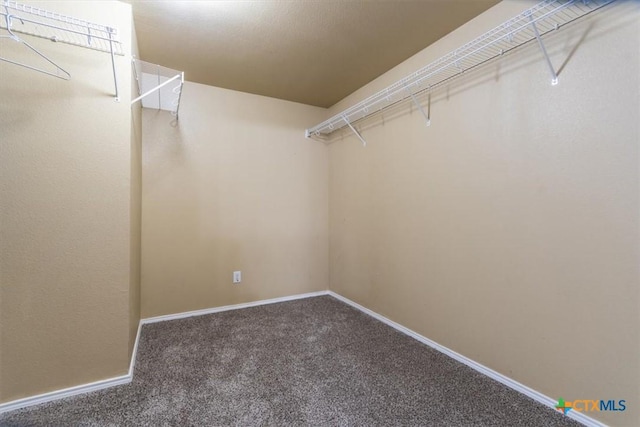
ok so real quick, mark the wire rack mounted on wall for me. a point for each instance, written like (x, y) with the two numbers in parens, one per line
(155, 88)
(26, 19)
(532, 24)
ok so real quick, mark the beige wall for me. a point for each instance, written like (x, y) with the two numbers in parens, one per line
(65, 213)
(233, 186)
(135, 211)
(507, 231)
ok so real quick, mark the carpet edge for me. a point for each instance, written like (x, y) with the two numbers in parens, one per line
(503, 379)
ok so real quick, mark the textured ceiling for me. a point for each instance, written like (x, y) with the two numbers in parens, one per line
(310, 51)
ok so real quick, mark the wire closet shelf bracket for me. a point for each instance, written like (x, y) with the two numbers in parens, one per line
(155, 87)
(25, 19)
(532, 24)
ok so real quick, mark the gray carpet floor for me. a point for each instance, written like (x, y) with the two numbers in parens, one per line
(314, 361)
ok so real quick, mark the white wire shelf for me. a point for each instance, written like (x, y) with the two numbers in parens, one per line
(53, 26)
(544, 17)
(20, 18)
(159, 87)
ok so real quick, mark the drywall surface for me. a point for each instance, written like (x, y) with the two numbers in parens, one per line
(65, 200)
(233, 185)
(508, 230)
(136, 205)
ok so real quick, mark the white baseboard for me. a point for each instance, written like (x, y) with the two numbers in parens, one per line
(66, 392)
(230, 307)
(79, 389)
(134, 352)
(515, 385)
(124, 379)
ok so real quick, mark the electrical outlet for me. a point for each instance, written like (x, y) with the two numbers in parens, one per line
(237, 276)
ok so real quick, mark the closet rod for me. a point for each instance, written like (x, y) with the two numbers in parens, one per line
(532, 24)
(145, 72)
(160, 86)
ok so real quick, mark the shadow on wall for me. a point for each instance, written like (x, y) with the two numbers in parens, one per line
(170, 161)
(167, 145)
(54, 92)
(226, 190)
(564, 43)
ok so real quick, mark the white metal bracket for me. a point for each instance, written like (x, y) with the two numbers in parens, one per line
(554, 75)
(419, 107)
(346, 120)
(160, 86)
(532, 24)
(113, 63)
(179, 76)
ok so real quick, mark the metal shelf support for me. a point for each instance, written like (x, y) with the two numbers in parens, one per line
(346, 120)
(145, 88)
(554, 75)
(113, 63)
(532, 24)
(419, 107)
